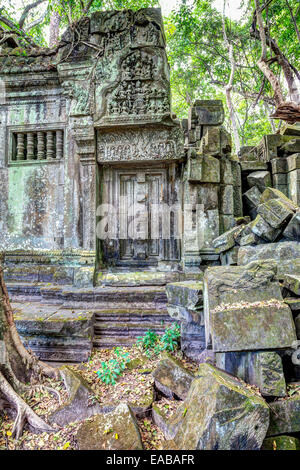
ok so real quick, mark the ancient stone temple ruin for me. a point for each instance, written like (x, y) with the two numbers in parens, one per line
(115, 217)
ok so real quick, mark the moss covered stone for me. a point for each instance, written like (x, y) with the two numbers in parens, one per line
(285, 416)
(281, 443)
(241, 302)
(171, 378)
(221, 413)
(117, 430)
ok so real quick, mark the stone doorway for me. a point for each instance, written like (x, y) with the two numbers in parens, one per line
(137, 196)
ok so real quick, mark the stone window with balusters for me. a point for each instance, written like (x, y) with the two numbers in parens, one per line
(40, 145)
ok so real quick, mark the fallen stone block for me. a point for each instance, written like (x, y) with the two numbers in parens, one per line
(281, 443)
(171, 379)
(262, 229)
(273, 193)
(293, 162)
(285, 416)
(239, 328)
(290, 266)
(277, 251)
(117, 430)
(240, 303)
(275, 212)
(292, 282)
(279, 166)
(192, 340)
(262, 368)
(292, 146)
(220, 412)
(260, 179)
(185, 300)
(78, 407)
(297, 323)
(227, 240)
(252, 198)
(168, 428)
(229, 257)
(248, 239)
(56, 334)
(292, 230)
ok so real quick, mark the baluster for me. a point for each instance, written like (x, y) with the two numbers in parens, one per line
(30, 146)
(59, 144)
(20, 146)
(50, 145)
(41, 145)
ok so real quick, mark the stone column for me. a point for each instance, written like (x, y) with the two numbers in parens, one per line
(20, 146)
(59, 144)
(30, 146)
(40, 145)
(50, 145)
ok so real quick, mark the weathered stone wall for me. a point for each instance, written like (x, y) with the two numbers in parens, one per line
(106, 82)
(32, 192)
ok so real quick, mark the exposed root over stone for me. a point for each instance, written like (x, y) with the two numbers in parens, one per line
(20, 366)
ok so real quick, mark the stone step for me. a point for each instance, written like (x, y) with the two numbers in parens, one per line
(126, 329)
(136, 278)
(103, 295)
(111, 342)
(132, 315)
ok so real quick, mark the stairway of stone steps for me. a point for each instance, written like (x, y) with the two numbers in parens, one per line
(123, 327)
(122, 314)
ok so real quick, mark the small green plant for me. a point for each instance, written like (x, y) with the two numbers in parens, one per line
(112, 369)
(148, 341)
(151, 343)
(170, 338)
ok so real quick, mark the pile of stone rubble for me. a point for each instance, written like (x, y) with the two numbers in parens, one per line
(277, 218)
(242, 323)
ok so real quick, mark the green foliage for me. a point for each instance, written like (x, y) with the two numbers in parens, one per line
(152, 344)
(200, 65)
(148, 341)
(112, 369)
(170, 338)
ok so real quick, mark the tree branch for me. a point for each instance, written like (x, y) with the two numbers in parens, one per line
(20, 32)
(27, 9)
(293, 19)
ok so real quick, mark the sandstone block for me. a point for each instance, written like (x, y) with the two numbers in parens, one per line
(117, 430)
(275, 212)
(262, 229)
(263, 369)
(260, 179)
(227, 240)
(220, 413)
(171, 378)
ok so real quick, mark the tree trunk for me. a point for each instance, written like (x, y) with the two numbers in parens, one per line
(54, 28)
(229, 86)
(17, 366)
(263, 61)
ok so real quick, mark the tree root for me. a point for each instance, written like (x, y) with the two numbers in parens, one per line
(24, 412)
(40, 388)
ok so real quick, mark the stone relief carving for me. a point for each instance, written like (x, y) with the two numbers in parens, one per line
(139, 91)
(139, 144)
